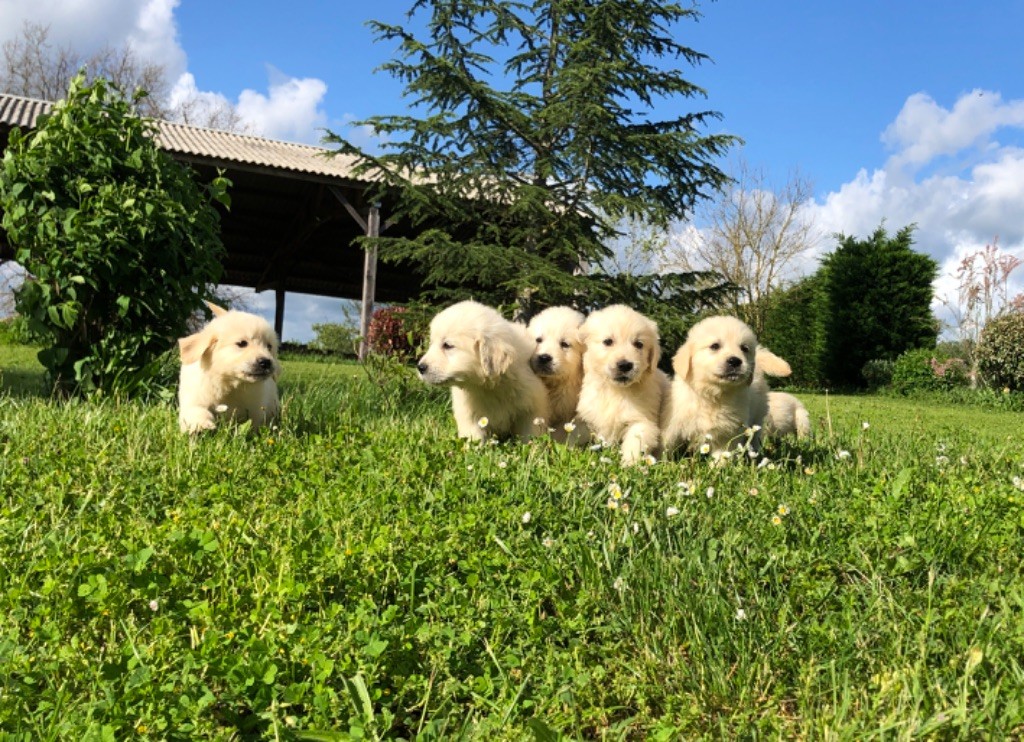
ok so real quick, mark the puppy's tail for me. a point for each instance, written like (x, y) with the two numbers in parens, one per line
(771, 364)
(217, 310)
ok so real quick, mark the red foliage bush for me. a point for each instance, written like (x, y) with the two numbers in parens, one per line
(388, 334)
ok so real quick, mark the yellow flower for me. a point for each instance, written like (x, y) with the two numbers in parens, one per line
(782, 509)
(776, 520)
(569, 427)
(482, 422)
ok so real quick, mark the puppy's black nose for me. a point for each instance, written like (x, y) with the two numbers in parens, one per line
(544, 359)
(624, 367)
(422, 367)
(734, 361)
(264, 364)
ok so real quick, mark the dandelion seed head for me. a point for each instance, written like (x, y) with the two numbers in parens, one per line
(527, 516)
(671, 512)
(843, 454)
(741, 615)
(154, 605)
(710, 492)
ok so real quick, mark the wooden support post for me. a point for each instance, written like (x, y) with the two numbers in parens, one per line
(369, 281)
(279, 311)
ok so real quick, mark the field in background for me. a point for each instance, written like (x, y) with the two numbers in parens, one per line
(361, 572)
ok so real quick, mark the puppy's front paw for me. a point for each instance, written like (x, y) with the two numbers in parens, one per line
(196, 420)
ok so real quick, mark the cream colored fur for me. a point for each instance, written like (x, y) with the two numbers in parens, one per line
(485, 359)
(558, 360)
(623, 389)
(719, 394)
(787, 416)
(229, 370)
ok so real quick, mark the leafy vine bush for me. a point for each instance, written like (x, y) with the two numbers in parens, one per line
(120, 242)
(1000, 352)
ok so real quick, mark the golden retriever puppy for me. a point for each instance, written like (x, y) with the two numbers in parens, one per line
(719, 394)
(228, 369)
(623, 389)
(787, 416)
(485, 359)
(558, 360)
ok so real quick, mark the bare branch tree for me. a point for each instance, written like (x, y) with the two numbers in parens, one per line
(754, 237)
(31, 66)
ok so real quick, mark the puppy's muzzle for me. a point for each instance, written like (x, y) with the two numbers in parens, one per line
(422, 368)
(732, 368)
(541, 364)
(261, 368)
(623, 371)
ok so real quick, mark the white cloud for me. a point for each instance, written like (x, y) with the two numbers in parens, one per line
(925, 131)
(291, 110)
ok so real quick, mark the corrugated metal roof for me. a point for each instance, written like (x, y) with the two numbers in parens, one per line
(209, 144)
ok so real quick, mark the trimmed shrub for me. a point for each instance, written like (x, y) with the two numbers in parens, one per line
(999, 353)
(924, 369)
(878, 373)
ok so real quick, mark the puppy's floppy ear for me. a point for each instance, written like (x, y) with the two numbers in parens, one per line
(682, 361)
(496, 354)
(653, 352)
(770, 363)
(217, 310)
(195, 346)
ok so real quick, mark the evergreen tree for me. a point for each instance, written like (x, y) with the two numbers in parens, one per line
(878, 294)
(536, 137)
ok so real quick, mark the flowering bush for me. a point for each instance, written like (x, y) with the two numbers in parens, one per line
(1000, 360)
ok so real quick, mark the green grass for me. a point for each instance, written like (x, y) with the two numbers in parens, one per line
(361, 572)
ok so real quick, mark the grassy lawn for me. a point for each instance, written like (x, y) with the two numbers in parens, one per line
(360, 572)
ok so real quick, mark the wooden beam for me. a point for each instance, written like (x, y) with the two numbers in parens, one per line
(369, 281)
(279, 311)
(350, 208)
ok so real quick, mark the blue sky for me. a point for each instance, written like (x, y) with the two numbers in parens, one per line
(907, 111)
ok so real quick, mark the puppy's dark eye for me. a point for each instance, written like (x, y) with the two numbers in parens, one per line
(638, 344)
(715, 346)
(242, 343)
(608, 341)
(540, 340)
(446, 345)
(565, 345)
(745, 348)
